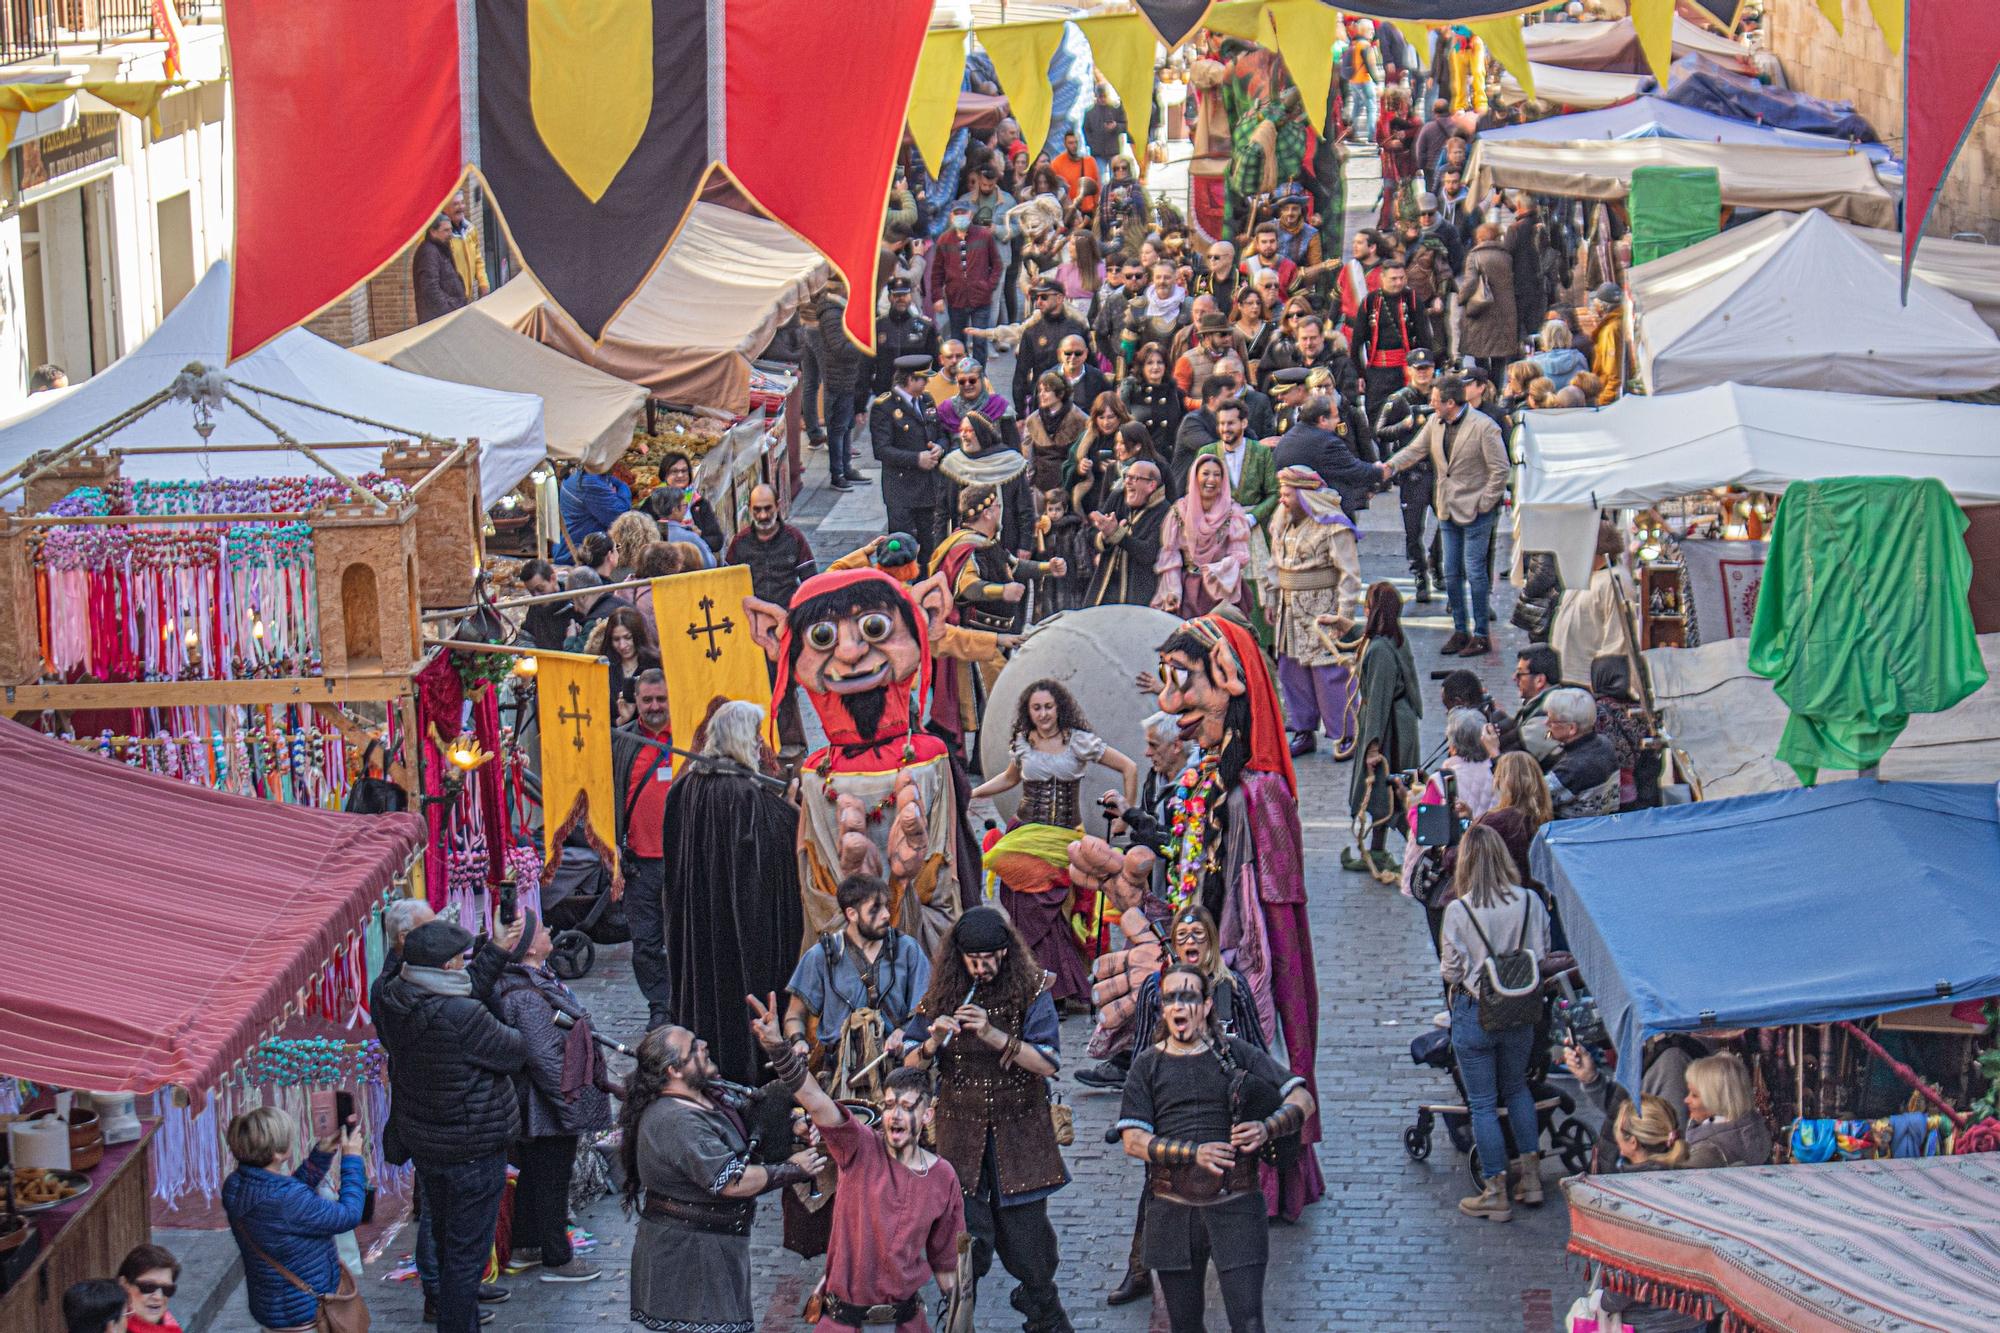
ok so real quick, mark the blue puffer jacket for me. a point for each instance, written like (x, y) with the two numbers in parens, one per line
(288, 1220)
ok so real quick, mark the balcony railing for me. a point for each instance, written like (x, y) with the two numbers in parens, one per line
(34, 29)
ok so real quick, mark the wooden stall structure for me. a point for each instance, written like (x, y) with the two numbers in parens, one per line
(83, 1238)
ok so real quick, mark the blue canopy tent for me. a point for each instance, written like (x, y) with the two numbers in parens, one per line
(1654, 117)
(1701, 83)
(1833, 902)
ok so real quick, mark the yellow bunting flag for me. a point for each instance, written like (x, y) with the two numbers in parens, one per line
(1245, 20)
(590, 84)
(17, 99)
(1889, 14)
(1653, 25)
(1832, 9)
(1306, 31)
(140, 100)
(934, 94)
(1021, 53)
(1503, 41)
(573, 714)
(705, 646)
(1123, 45)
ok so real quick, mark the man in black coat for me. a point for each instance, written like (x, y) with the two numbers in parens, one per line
(1198, 429)
(1085, 380)
(1385, 331)
(434, 282)
(1041, 339)
(1323, 441)
(1402, 415)
(1128, 539)
(908, 441)
(455, 1108)
(1311, 349)
(900, 333)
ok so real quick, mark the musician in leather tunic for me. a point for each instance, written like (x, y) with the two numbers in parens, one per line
(989, 1026)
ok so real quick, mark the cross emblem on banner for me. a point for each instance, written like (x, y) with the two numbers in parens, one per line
(711, 627)
(574, 714)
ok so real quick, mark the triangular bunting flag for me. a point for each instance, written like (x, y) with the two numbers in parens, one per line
(1123, 46)
(1021, 54)
(17, 99)
(934, 93)
(1889, 15)
(141, 100)
(1653, 25)
(1504, 44)
(1949, 65)
(1832, 10)
(1240, 18)
(1173, 20)
(1306, 30)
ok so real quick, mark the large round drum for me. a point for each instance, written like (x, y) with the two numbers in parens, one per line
(1095, 654)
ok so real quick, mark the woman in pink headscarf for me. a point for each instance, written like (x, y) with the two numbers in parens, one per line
(1204, 546)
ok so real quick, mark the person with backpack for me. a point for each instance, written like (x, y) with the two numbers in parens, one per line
(1493, 935)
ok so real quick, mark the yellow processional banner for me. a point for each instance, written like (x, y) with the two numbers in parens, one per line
(705, 646)
(573, 708)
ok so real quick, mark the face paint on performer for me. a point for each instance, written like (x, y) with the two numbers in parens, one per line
(904, 1117)
(1190, 942)
(1184, 1008)
(869, 919)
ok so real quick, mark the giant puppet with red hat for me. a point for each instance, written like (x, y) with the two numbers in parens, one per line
(880, 796)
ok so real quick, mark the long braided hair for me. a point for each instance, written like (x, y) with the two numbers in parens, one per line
(657, 1061)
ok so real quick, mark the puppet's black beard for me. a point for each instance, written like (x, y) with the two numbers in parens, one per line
(867, 710)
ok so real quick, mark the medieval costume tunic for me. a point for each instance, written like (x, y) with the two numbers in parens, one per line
(1204, 552)
(691, 1257)
(994, 1125)
(977, 569)
(893, 1227)
(733, 920)
(1315, 570)
(1192, 1217)
(1031, 858)
(1239, 850)
(1006, 471)
(1127, 554)
(1392, 709)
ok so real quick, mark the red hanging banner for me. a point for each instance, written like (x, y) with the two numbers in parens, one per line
(1951, 53)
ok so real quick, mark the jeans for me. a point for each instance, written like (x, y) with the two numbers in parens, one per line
(1468, 559)
(1362, 98)
(464, 1201)
(840, 435)
(1414, 490)
(957, 319)
(541, 1197)
(426, 1255)
(1494, 1066)
(645, 913)
(809, 382)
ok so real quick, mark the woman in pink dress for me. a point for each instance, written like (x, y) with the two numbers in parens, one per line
(1204, 546)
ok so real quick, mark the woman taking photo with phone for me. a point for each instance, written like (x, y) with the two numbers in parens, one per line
(283, 1228)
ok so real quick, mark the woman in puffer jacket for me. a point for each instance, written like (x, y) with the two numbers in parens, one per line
(280, 1219)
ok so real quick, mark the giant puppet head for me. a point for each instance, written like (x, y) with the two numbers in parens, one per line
(858, 642)
(1214, 680)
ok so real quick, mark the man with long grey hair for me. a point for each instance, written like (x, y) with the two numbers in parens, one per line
(734, 919)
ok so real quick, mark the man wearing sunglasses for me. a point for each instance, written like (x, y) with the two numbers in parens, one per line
(1085, 380)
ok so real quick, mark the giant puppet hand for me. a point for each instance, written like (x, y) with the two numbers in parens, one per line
(858, 853)
(909, 831)
(1122, 877)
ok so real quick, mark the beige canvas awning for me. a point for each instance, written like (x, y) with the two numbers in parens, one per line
(589, 416)
(711, 305)
(1840, 182)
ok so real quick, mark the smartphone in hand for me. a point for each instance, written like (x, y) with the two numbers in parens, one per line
(325, 1115)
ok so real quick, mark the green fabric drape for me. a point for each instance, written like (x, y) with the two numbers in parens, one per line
(1862, 619)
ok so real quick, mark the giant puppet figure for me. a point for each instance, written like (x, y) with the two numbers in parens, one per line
(1235, 847)
(879, 797)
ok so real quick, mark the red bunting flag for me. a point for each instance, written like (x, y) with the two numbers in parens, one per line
(1951, 53)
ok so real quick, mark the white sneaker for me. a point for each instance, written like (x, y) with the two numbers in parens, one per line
(1441, 1019)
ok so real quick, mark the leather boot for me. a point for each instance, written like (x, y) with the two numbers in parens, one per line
(1422, 577)
(1491, 1202)
(1526, 1174)
(1137, 1283)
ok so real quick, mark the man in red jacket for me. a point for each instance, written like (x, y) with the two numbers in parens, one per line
(965, 267)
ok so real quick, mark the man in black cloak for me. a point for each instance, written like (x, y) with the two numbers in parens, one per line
(734, 922)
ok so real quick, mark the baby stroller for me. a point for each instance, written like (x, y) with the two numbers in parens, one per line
(1569, 1138)
(577, 906)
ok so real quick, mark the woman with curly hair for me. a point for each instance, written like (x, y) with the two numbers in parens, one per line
(1049, 751)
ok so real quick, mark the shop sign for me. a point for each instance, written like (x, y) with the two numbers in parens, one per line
(68, 156)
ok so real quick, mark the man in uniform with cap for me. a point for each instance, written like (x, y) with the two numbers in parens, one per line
(1288, 389)
(903, 430)
(989, 1026)
(1401, 416)
(1389, 325)
(902, 332)
(1041, 342)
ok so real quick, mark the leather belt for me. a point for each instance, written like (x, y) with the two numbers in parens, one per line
(1196, 1186)
(860, 1316)
(728, 1217)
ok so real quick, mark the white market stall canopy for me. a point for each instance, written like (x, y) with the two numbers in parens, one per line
(1726, 721)
(1641, 450)
(587, 415)
(1586, 89)
(689, 333)
(1811, 308)
(1965, 269)
(298, 364)
(1652, 117)
(1837, 180)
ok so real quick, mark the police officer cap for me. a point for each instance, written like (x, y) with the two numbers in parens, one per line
(1048, 287)
(913, 363)
(900, 286)
(1419, 358)
(1291, 375)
